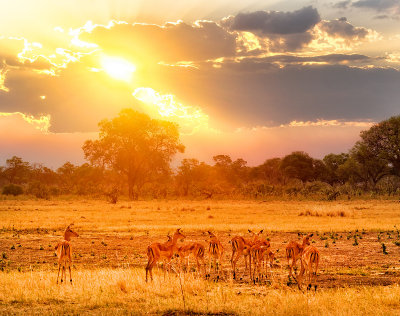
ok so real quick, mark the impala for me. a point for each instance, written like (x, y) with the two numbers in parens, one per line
(162, 251)
(257, 253)
(294, 250)
(197, 250)
(309, 265)
(64, 253)
(241, 246)
(215, 253)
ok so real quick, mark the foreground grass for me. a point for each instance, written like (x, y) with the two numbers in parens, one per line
(123, 291)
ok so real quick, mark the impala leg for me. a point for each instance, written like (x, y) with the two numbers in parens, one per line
(62, 272)
(58, 274)
(70, 276)
(235, 260)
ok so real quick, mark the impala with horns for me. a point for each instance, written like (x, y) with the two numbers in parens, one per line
(163, 251)
(294, 250)
(241, 246)
(64, 253)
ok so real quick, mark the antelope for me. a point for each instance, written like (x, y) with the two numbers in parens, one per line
(215, 253)
(294, 250)
(64, 253)
(164, 251)
(241, 246)
(257, 252)
(309, 265)
(197, 250)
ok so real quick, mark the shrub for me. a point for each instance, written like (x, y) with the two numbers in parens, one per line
(12, 189)
(39, 190)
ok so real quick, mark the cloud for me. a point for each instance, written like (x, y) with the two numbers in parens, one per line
(340, 35)
(328, 59)
(342, 28)
(378, 5)
(342, 4)
(265, 23)
(170, 43)
(259, 92)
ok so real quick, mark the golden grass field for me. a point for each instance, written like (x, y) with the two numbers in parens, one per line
(355, 276)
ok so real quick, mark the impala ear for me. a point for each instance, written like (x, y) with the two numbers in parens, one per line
(261, 231)
(249, 231)
(311, 235)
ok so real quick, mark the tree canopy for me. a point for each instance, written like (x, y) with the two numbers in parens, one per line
(136, 146)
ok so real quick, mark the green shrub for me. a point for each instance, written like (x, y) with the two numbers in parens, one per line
(12, 189)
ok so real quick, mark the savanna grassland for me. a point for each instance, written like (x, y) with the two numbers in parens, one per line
(358, 241)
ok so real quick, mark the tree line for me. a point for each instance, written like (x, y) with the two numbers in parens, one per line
(133, 153)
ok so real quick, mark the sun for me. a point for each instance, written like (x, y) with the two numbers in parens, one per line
(118, 68)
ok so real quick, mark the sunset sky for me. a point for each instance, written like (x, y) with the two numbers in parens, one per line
(251, 79)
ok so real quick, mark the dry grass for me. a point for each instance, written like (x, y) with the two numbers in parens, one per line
(118, 291)
(41, 217)
(116, 235)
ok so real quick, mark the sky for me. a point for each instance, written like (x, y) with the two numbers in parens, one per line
(247, 78)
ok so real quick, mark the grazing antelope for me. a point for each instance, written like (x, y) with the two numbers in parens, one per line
(257, 253)
(215, 253)
(164, 251)
(64, 253)
(197, 250)
(309, 265)
(241, 246)
(294, 250)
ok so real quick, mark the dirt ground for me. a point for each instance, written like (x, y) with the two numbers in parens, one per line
(346, 260)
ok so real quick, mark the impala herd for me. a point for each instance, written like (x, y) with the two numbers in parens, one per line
(255, 250)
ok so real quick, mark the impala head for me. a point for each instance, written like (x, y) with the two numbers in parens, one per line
(68, 233)
(255, 235)
(178, 235)
(306, 239)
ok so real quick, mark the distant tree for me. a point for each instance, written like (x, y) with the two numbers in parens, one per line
(269, 171)
(134, 145)
(298, 165)
(16, 171)
(382, 141)
(188, 173)
(66, 175)
(333, 162)
(367, 165)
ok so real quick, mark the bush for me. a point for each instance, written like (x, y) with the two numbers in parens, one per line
(39, 190)
(12, 189)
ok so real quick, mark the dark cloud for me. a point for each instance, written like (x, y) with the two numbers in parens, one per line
(173, 42)
(255, 93)
(265, 23)
(390, 7)
(342, 4)
(379, 5)
(342, 28)
(330, 58)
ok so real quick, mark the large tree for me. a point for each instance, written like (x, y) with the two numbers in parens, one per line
(134, 145)
(298, 165)
(383, 142)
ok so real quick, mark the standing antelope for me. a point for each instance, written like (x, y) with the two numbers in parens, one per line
(215, 253)
(164, 251)
(197, 250)
(294, 250)
(309, 265)
(257, 252)
(64, 253)
(241, 246)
